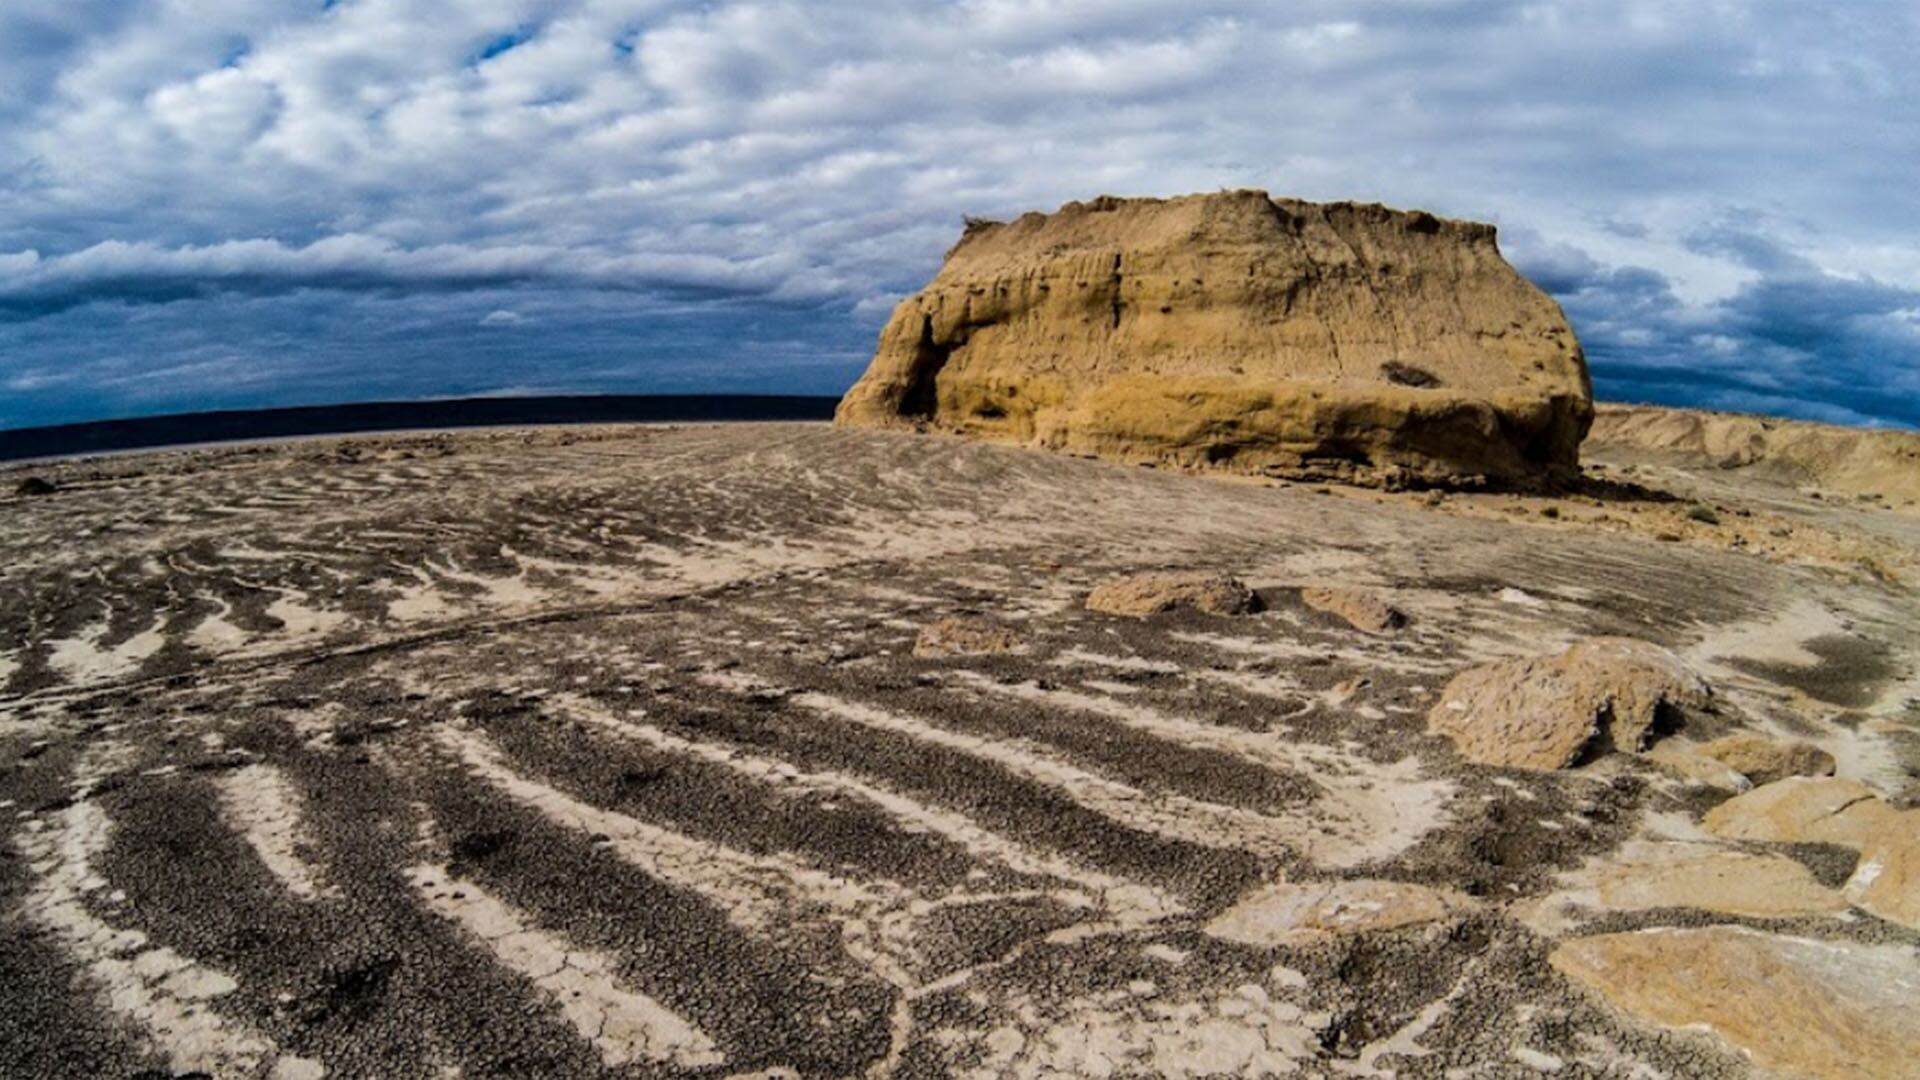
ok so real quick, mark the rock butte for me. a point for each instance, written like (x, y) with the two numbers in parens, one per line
(1243, 332)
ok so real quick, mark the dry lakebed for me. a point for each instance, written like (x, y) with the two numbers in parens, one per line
(781, 750)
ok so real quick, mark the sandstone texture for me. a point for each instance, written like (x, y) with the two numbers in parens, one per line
(1798, 1007)
(1363, 609)
(1239, 331)
(1831, 810)
(1140, 595)
(1550, 712)
(1853, 461)
(1763, 760)
(964, 636)
(1800, 810)
(1887, 880)
(1712, 879)
(1297, 914)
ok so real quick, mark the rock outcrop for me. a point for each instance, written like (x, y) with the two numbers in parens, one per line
(1834, 810)
(1797, 1007)
(1362, 609)
(1864, 463)
(1549, 712)
(1244, 332)
(1141, 595)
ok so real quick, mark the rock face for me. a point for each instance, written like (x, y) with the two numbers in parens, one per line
(1239, 331)
(1798, 1007)
(1141, 595)
(1548, 712)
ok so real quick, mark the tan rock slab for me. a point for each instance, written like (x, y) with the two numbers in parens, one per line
(1887, 880)
(961, 635)
(1547, 712)
(1731, 882)
(1140, 595)
(1804, 810)
(1232, 330)
(1685, 761)
(1297, 914)
(1827, 1010)
(1363, 609)
(1764, 760)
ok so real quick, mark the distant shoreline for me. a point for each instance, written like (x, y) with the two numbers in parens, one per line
(251, 425)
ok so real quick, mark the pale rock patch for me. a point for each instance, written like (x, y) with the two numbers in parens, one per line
(1297, 914)
(1887, 880)
(1712, 879)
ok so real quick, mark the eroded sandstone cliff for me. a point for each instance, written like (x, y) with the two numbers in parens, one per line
(1240, 331)
(1861, 462)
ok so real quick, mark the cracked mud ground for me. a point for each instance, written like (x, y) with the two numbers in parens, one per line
(603, 752)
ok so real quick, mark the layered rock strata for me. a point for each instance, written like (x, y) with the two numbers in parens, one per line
(1243, 332)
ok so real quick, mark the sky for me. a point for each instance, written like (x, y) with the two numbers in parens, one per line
(240, 203)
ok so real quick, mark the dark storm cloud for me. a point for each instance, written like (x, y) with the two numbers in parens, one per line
(534, 181)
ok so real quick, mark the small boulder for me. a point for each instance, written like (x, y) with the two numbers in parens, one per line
(1763, 760)
(1363, 609)
(1550, 712)
(35, 485)
(961, 635)
(1823, 1009)
(1141, 595)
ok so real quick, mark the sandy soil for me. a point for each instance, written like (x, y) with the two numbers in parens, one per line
(603, 751)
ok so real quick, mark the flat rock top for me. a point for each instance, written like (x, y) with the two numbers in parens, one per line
(605, 751)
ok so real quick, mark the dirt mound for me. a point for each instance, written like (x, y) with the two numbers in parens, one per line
(1855, 461)
(1238, 331)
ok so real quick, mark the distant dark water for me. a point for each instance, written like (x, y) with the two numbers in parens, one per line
(238, 425)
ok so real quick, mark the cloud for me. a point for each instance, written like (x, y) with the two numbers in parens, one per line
(115, 271)
(1688, 178)
(1770, 346)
